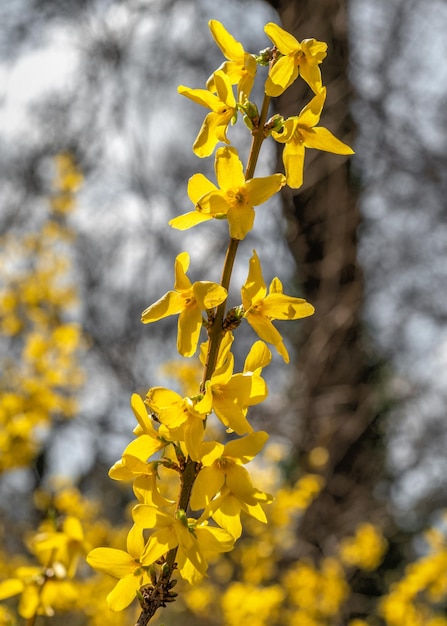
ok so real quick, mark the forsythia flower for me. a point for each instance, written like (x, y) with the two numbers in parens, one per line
(39, 595)
(123, 565)
(188, 300)
(60, 547)
(299, 58)
(193, 540)
(149, 441)
(181, 419)
(299, 132)
(366, 549)
(241, 66)
(236, 197)
(234, 393)
(260, 308)
(223, 109)
(226, 475)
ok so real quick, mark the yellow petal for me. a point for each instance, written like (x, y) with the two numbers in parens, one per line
(30, 602)
(181, 265)
(312, 75)
(239, 482)
(211, 132)
(255, 510)
(189, 325)
(232, 415)
(209, 482)
(198, 186)
(111, 561)
(188, 220)
(135, 542)
(231, 49)
(229, 168)
(310, 115)
(140, 412)
(240, 221)
(214, 539)
(322, 139)
(281, 307)
(200, 96)
(288, 130)
(209, 295)
(213, 203)
(194, 432)
(264, 328)
(259, 190)
(169, 304)
(159, 543)
(228, 516)
(210, 451)
(11, 587)
(144, 447)
(224, 90)
(258, 357)
(281, 76)
(284, 41)
(245, 449)
(254, 288)
(293, 159)
(123, 593)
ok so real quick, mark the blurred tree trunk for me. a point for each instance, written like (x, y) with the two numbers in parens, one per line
(335, 398)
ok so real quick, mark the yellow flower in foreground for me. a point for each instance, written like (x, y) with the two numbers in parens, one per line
(236, 197)
(299, 132)
(226, 477)
(234, 393)
(299, 58)
(194, 541)
(260, 308)
(223, 109)
(187, 300)
(241, 66)
(123, 565)
(182, 419)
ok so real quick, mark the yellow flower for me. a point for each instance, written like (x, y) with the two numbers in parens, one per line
(299, 58)
(40, 595)
(226, 477)
(223, 109)
(236, 197)
(194, 541)
(234, 393)
(187, 300)
(260, 308)
(299, 132)
(59, 547)
(144, 476)
(123, 565)
(182, 419)
(149, 441)
(241, 66)
(366, 549)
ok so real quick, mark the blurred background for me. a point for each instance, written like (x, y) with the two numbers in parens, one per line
(365, 240)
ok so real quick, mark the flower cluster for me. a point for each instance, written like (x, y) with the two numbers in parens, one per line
(40, 342)
(193, 489)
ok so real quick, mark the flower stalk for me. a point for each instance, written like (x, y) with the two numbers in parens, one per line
(214, 487)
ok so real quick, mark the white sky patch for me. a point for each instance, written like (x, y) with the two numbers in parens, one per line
(32, 76)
